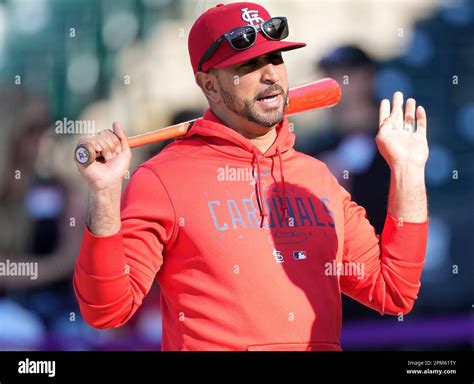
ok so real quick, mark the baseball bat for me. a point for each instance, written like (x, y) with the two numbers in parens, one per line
(316, 95)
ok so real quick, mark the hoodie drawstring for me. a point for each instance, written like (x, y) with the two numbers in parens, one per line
(284, 207)
(263, 206)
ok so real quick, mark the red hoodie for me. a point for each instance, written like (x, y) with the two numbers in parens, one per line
(243, 262)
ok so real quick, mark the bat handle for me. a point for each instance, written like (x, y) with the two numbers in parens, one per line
(85, 154)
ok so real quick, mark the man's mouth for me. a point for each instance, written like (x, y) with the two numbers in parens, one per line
(269, 98)
(271, 101)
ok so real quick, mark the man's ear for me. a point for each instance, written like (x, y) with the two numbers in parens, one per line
(209, 85)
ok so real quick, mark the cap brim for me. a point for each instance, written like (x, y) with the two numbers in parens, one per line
(257, 50)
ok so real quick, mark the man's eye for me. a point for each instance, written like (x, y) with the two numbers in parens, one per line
(248, 64)
(276, 58)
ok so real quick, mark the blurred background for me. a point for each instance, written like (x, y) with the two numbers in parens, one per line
(72, 67)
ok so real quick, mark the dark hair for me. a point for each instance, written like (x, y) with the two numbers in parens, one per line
(346, 56)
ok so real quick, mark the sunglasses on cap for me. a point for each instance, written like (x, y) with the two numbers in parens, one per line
(242, 38)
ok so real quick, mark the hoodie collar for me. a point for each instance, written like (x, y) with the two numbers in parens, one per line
(225, 139)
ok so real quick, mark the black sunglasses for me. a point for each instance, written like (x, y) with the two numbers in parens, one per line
(242, 38)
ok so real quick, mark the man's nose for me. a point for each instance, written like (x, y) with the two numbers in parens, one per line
(270, 74)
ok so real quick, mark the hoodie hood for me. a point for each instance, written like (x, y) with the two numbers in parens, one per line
(226, 140)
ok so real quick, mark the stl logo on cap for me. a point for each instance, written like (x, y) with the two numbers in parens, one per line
(251, 16)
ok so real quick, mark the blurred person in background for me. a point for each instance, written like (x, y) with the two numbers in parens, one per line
(35, 228)
(347, 145)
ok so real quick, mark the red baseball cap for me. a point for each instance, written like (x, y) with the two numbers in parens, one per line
(220, 19)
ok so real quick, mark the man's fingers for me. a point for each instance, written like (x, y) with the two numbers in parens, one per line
(421, 122)
(96, 145)
(109, 143)
(121, 135)
(397, 103)
(410, 108)
(114, 142)
(117, 146)
(384, 111)
(108, 147)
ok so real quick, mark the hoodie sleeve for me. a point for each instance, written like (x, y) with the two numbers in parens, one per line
(391, 265)
(113, 273)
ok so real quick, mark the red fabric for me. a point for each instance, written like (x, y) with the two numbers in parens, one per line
(216, 21)
(229, 282)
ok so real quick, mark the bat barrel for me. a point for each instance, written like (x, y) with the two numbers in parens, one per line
(323, 93)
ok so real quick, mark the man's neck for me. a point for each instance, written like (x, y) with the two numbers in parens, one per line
(260, 137)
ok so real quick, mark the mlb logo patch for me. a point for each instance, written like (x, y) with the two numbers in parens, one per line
(299, 255)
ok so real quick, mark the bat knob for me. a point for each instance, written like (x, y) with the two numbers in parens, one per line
(84, 154)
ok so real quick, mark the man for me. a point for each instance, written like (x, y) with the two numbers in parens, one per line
(346, 145)
(251, 242)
